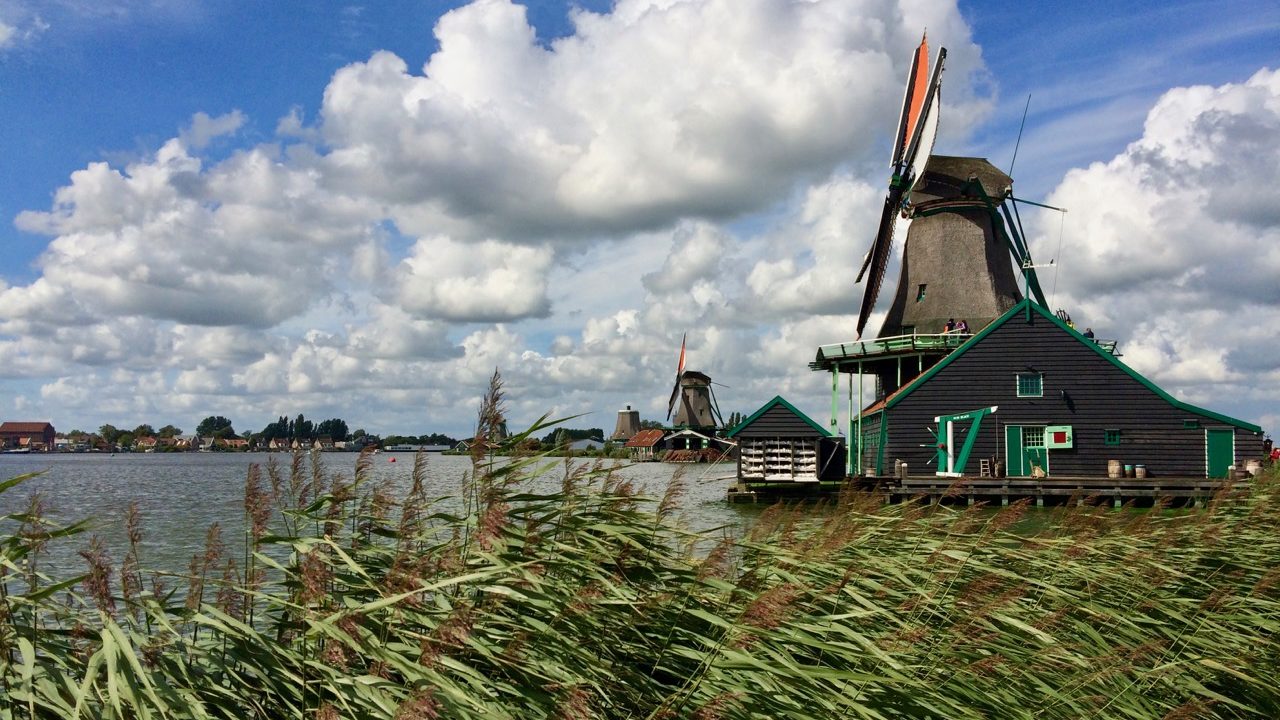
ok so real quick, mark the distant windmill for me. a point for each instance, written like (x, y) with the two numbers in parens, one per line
(956, 261)
(692, 399)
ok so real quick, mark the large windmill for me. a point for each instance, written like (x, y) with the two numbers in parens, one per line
(956, 261)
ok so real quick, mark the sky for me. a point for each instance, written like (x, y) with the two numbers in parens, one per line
(362, 210)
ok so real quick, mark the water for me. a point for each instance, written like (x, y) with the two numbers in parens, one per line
(180, 494)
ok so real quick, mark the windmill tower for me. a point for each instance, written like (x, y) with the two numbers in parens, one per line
(696, 407)
(628, 425)
(692, 400)
(955, 265)
(956, 262)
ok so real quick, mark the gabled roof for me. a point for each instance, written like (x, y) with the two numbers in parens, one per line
(646, 438)
(777, 401)
(25, 427)
(1021, 307)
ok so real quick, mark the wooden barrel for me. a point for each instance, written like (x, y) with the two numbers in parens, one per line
(1128, 471)
(1139, 471)
(1113, 468)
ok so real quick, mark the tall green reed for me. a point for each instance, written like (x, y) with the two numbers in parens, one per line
(586, 600)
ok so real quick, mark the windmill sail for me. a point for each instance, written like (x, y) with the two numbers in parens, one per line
(912, 101)
(926, 130)
(913, 143)
(675, 391)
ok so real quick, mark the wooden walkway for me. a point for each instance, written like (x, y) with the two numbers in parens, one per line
(1056, 490)
(1001, 491)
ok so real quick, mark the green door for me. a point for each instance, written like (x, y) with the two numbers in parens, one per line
(1024, 448)
(1220, 451)
(1013, 450)
(1034, 453)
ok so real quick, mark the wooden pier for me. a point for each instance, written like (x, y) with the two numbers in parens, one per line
(1002, 491)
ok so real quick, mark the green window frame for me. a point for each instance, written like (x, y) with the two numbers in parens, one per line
(1190, 424)
(920, 292)
(1030, 385)
(1111, 436)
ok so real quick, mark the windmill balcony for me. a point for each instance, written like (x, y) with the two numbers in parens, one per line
(887, 347)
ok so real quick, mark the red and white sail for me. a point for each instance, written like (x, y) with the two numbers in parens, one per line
(912, 146)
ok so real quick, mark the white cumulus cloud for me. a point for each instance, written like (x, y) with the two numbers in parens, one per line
(1173, 246)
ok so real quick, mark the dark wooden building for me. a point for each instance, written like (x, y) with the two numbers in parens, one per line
(780, 444)
(35, 436)
(1064, 404)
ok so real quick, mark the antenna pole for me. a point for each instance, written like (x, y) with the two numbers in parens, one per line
(1020, 127)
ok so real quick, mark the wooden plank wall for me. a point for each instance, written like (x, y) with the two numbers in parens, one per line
(1081, 389)
(778, 421)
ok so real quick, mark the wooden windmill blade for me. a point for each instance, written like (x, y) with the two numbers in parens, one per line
(913, 143)
(675, 391)
(878, 258)
(926, 129)
(912, 102)
(715, 406)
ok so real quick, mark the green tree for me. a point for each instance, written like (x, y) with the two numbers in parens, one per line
(564, 436)
(109, 433)
(169, 431)
(215, 425)
(335, 428)
(125, 440)
(144, 430)
(301, 429)
(278, 430)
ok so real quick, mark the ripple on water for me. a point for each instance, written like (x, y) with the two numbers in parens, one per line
(180, 494)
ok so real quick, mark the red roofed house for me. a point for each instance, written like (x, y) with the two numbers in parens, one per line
(37, 436)
(643, 445)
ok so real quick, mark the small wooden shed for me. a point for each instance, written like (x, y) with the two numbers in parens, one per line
(778, 443)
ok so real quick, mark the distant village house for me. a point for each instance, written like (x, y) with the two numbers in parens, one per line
(30, 436)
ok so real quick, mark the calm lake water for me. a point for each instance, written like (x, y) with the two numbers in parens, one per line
(181, 494)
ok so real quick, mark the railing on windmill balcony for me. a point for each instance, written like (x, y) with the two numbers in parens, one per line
(893, 345)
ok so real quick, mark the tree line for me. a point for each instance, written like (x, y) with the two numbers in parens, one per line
(284, 429)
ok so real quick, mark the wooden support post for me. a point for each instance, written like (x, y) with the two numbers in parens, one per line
(1039, 501)
(861, 468)
(835, 389)
(849, 443)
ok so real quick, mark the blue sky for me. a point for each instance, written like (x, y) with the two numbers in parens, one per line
(565, 207)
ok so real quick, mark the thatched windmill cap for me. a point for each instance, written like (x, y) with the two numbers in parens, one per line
(946, 175)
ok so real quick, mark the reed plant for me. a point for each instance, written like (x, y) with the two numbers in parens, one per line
(343, 600)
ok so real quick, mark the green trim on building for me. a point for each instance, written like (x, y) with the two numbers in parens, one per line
(778, 400)
(884, 440)
(1044, 313)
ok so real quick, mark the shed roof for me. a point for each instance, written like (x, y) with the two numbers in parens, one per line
(646, 438)
(1022, 306)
